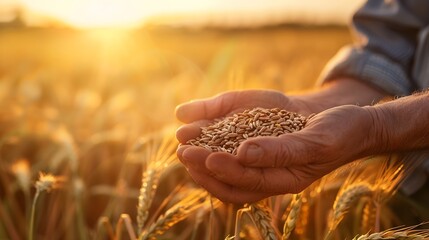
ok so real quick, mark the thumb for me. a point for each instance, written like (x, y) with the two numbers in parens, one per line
(274, 152)
(208, 108)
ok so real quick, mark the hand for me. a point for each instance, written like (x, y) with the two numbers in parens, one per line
(267, 166)
(335, 93)
(200, 112)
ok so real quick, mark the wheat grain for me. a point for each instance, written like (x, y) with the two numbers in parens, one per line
(294, 209)
(226, 135)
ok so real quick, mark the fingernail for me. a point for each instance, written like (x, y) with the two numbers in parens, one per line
(180, 149)
(254, 152)
(181, 112)
(185, 159)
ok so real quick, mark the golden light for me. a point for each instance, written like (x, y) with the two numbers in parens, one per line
(91, 13)
(132, 13)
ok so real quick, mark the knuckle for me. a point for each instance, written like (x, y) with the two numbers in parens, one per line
(280, 155)
(251, 180)
(283, 152)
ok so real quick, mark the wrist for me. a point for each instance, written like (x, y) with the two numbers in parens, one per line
(378, 136)
(341, 92)
(401, 124)
(369, 135)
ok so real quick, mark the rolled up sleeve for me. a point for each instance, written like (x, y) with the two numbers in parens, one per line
(386, 35)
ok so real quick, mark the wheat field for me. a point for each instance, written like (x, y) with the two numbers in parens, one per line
(87, 147)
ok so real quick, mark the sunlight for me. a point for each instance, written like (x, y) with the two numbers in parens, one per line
(91, 13)
(132, 13)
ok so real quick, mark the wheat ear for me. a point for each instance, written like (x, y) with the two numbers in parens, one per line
(159, 155)
(294, 209)
(147, 192)
(261, 215)
(302, 222)
(181, 210)
(344, 200)
(406, 233)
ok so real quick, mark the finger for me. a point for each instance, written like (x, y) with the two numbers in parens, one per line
(268, 180)
(228, 102)
(225, 192)
(180, 150)
(208, 108)
(226, 168)
(190, 131)
(284, 151)
(194, 158)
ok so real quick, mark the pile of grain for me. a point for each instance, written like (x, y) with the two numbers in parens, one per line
(225, 135)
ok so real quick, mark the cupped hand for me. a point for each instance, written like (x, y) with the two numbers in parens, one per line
(267, 166)
(198, 113)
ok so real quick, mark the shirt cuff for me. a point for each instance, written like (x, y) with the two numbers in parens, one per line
(369, 67)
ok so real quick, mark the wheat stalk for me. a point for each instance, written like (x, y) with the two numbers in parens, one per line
(368, 216)
(181, 210)
(124, 220)
(46, 183)
(294, 209)
(261, 216)
(104, 224)
(405, 233)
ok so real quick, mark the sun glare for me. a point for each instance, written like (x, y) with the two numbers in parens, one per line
(91, 13)
(132, 13)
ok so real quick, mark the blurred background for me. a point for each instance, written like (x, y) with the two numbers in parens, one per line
(88, 51)
(133, 13)
(85, 83)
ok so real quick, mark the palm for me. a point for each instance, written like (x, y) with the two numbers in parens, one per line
(290, 162)
(201, 112)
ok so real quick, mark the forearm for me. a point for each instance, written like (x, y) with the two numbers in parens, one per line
(341, 92)
(400, 125)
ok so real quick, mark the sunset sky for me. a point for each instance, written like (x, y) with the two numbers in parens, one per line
(129, 13)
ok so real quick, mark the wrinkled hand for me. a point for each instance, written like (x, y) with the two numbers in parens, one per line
(267, 166)
(201, 112)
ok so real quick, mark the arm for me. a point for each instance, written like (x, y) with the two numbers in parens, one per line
(385, 43)
(377, 66)
(198, 113)
(341, 92)
(400, 125)
(331, 139)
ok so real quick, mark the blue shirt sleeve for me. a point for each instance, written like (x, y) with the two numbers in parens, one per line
(386, 36)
